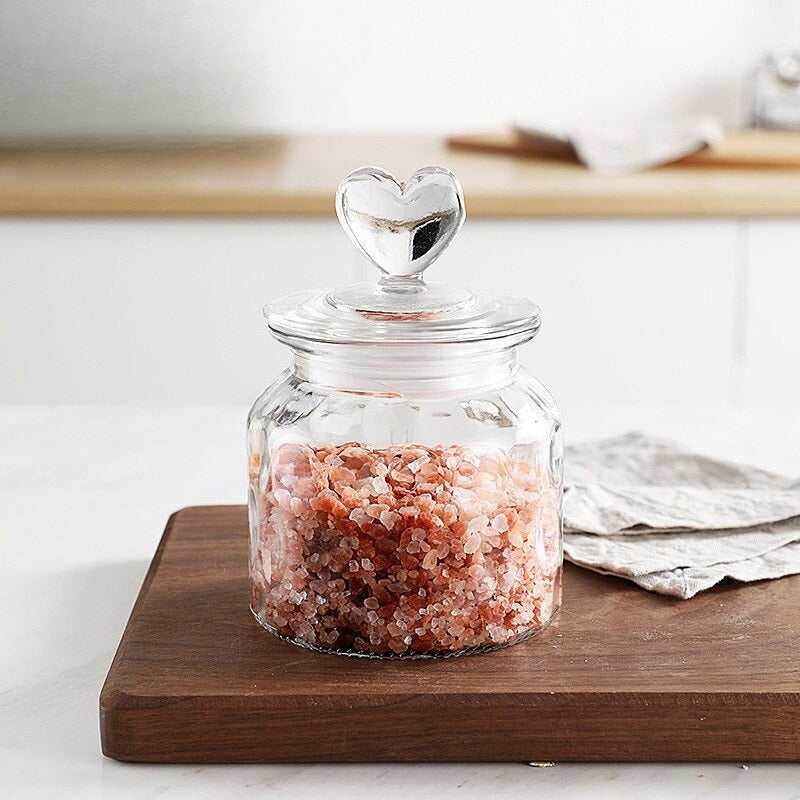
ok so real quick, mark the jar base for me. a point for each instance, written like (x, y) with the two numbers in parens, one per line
(407, 656)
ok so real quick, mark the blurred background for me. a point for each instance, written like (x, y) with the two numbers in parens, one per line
(168, 167)
(199, 67)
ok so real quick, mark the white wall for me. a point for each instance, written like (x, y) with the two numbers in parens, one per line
(173, 67)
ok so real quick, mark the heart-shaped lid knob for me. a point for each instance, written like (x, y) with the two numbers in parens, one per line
(401, 227)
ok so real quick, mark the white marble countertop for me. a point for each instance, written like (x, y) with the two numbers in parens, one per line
(84, 495)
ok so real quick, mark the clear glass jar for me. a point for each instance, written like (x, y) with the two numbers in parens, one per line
(405, 471)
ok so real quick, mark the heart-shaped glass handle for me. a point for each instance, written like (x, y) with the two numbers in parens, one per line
(401, 227)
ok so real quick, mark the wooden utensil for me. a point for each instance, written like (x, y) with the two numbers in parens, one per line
(754, 149)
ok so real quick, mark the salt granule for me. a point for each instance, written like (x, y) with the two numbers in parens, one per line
(404, 550)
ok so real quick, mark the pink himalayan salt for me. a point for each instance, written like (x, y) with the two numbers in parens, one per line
(404, 550)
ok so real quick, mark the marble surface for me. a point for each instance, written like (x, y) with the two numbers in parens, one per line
(84, 495)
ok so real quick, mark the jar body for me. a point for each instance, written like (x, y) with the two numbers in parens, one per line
(415, 523)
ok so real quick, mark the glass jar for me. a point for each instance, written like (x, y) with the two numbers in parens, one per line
(405, 471)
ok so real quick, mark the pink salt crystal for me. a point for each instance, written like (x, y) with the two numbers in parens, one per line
(415, 465)
(449, 514)
(478, 524)
(500, 523)
(429, 469)
(304, 488)
(379, 486)
(389, 519)
(473, 543)
(463, 498)
(320, 547)
(516, 536)
(329, 502)
(283, 499)
(296, 506)
(359, 516)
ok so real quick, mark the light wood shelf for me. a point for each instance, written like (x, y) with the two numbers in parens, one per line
(297, 176)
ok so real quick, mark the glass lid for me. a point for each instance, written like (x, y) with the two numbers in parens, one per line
(402, 228)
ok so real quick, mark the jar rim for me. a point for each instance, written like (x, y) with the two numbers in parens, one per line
(316, 317)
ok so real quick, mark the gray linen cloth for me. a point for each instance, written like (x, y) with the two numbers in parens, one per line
(629, 148)
(676, 522)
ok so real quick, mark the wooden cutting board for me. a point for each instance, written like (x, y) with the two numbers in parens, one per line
(755, 149)
(623, 675)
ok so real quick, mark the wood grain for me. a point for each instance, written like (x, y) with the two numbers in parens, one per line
(623, 675)
(746, 149)
(297, 176)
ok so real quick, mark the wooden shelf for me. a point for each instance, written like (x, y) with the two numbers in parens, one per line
(297, 176)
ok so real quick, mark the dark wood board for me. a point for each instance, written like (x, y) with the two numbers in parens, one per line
(622, 675)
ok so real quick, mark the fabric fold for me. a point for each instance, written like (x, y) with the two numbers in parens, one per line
(677, 522)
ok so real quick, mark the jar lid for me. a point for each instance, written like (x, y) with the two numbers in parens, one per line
(402, 228)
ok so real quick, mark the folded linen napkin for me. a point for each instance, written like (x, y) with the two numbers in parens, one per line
(676, 522)
(626, 148)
